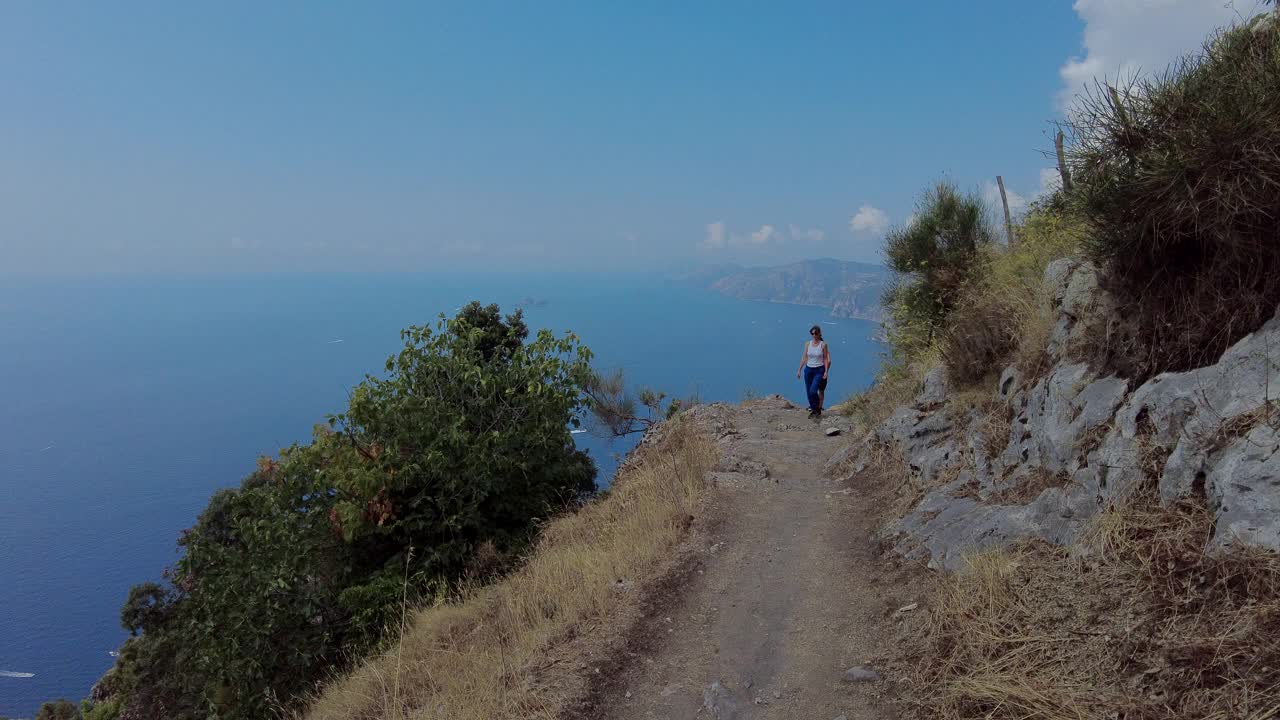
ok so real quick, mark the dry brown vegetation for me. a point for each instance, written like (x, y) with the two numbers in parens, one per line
(1005, 316)
(1025, 489)
(1143, 624)
(503, 651)
(896, 385)
(1178, 174)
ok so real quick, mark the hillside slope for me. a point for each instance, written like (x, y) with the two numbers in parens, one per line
(1107, 548)
(734, 582)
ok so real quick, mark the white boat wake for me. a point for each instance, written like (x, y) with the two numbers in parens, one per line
(576, 432)
(334, 342)
(6, 673)
(46, 449)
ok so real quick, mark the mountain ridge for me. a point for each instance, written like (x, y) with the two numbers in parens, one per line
(849, 289)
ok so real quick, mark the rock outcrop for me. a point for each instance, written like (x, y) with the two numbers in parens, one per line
(1049, 452)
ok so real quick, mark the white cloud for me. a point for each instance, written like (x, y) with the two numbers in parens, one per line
(869, 219)
(1124, 38)
(715, 235)
(810, 235)
(1050, 182)
(718, 236)
(763, 235)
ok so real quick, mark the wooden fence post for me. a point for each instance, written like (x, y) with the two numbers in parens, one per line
(1062, 162)
(1008, 221)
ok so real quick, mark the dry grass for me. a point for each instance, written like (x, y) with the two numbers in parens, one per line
(500, 652)
(1006, 317)
(978, 659)
(994, 421)
(1239, 426)
(1146, 625)
(1028, 488)
(1178, 172)
(895, 386)
(886, 463)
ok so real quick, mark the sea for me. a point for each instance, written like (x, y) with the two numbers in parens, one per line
(126, 401)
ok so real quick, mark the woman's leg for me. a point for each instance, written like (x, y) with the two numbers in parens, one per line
(811, 378)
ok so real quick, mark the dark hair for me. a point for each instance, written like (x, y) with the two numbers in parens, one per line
(816, 329)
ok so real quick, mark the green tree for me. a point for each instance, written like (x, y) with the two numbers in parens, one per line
(59, 710)
(145, 608)
(933, 256)
(462, 444)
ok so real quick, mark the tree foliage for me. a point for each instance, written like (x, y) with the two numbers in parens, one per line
(461, 447)
(933, 256)
(619, 411)
(59, 710)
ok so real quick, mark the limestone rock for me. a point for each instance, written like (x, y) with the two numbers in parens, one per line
(718, 701)
(1082, 308)
(1246, 490)
(935, 388)
(1085, 440)
(1216, 425)
(860, 675)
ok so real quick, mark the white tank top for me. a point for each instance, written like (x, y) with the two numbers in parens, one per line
(813, 354)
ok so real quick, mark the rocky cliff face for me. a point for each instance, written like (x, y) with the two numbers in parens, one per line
(1049, 452)
(849, 289)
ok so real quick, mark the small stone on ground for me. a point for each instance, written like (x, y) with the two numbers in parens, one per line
(860, 674)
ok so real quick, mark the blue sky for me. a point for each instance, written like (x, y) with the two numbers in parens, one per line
(177, 137)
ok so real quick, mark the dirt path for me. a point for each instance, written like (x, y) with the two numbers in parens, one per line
(790, 595)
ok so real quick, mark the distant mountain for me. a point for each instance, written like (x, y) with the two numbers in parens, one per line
(849, 289)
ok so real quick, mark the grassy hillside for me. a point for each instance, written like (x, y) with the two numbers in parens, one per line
(1172, 197)
(524, 647)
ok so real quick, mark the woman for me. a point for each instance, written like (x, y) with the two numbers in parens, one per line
(815, 363)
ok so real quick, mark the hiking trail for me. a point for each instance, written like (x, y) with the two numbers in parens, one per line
(789, 610)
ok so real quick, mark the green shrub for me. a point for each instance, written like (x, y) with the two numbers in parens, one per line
(1180, 176)
(109, 710)
(462, 448)
(933, 257)
(59, 710)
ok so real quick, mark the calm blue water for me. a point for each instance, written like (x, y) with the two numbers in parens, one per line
(127, 402)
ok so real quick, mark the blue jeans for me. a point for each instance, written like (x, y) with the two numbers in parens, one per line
(813, 382)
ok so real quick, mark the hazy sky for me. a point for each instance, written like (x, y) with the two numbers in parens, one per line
(180, 137)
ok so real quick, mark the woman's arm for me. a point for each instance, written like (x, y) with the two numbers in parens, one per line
(826, 360)
(804, 357)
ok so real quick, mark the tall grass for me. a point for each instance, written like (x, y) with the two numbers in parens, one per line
(1180, 175)
(1143, 625)
(496, 652)
(1004, 314)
